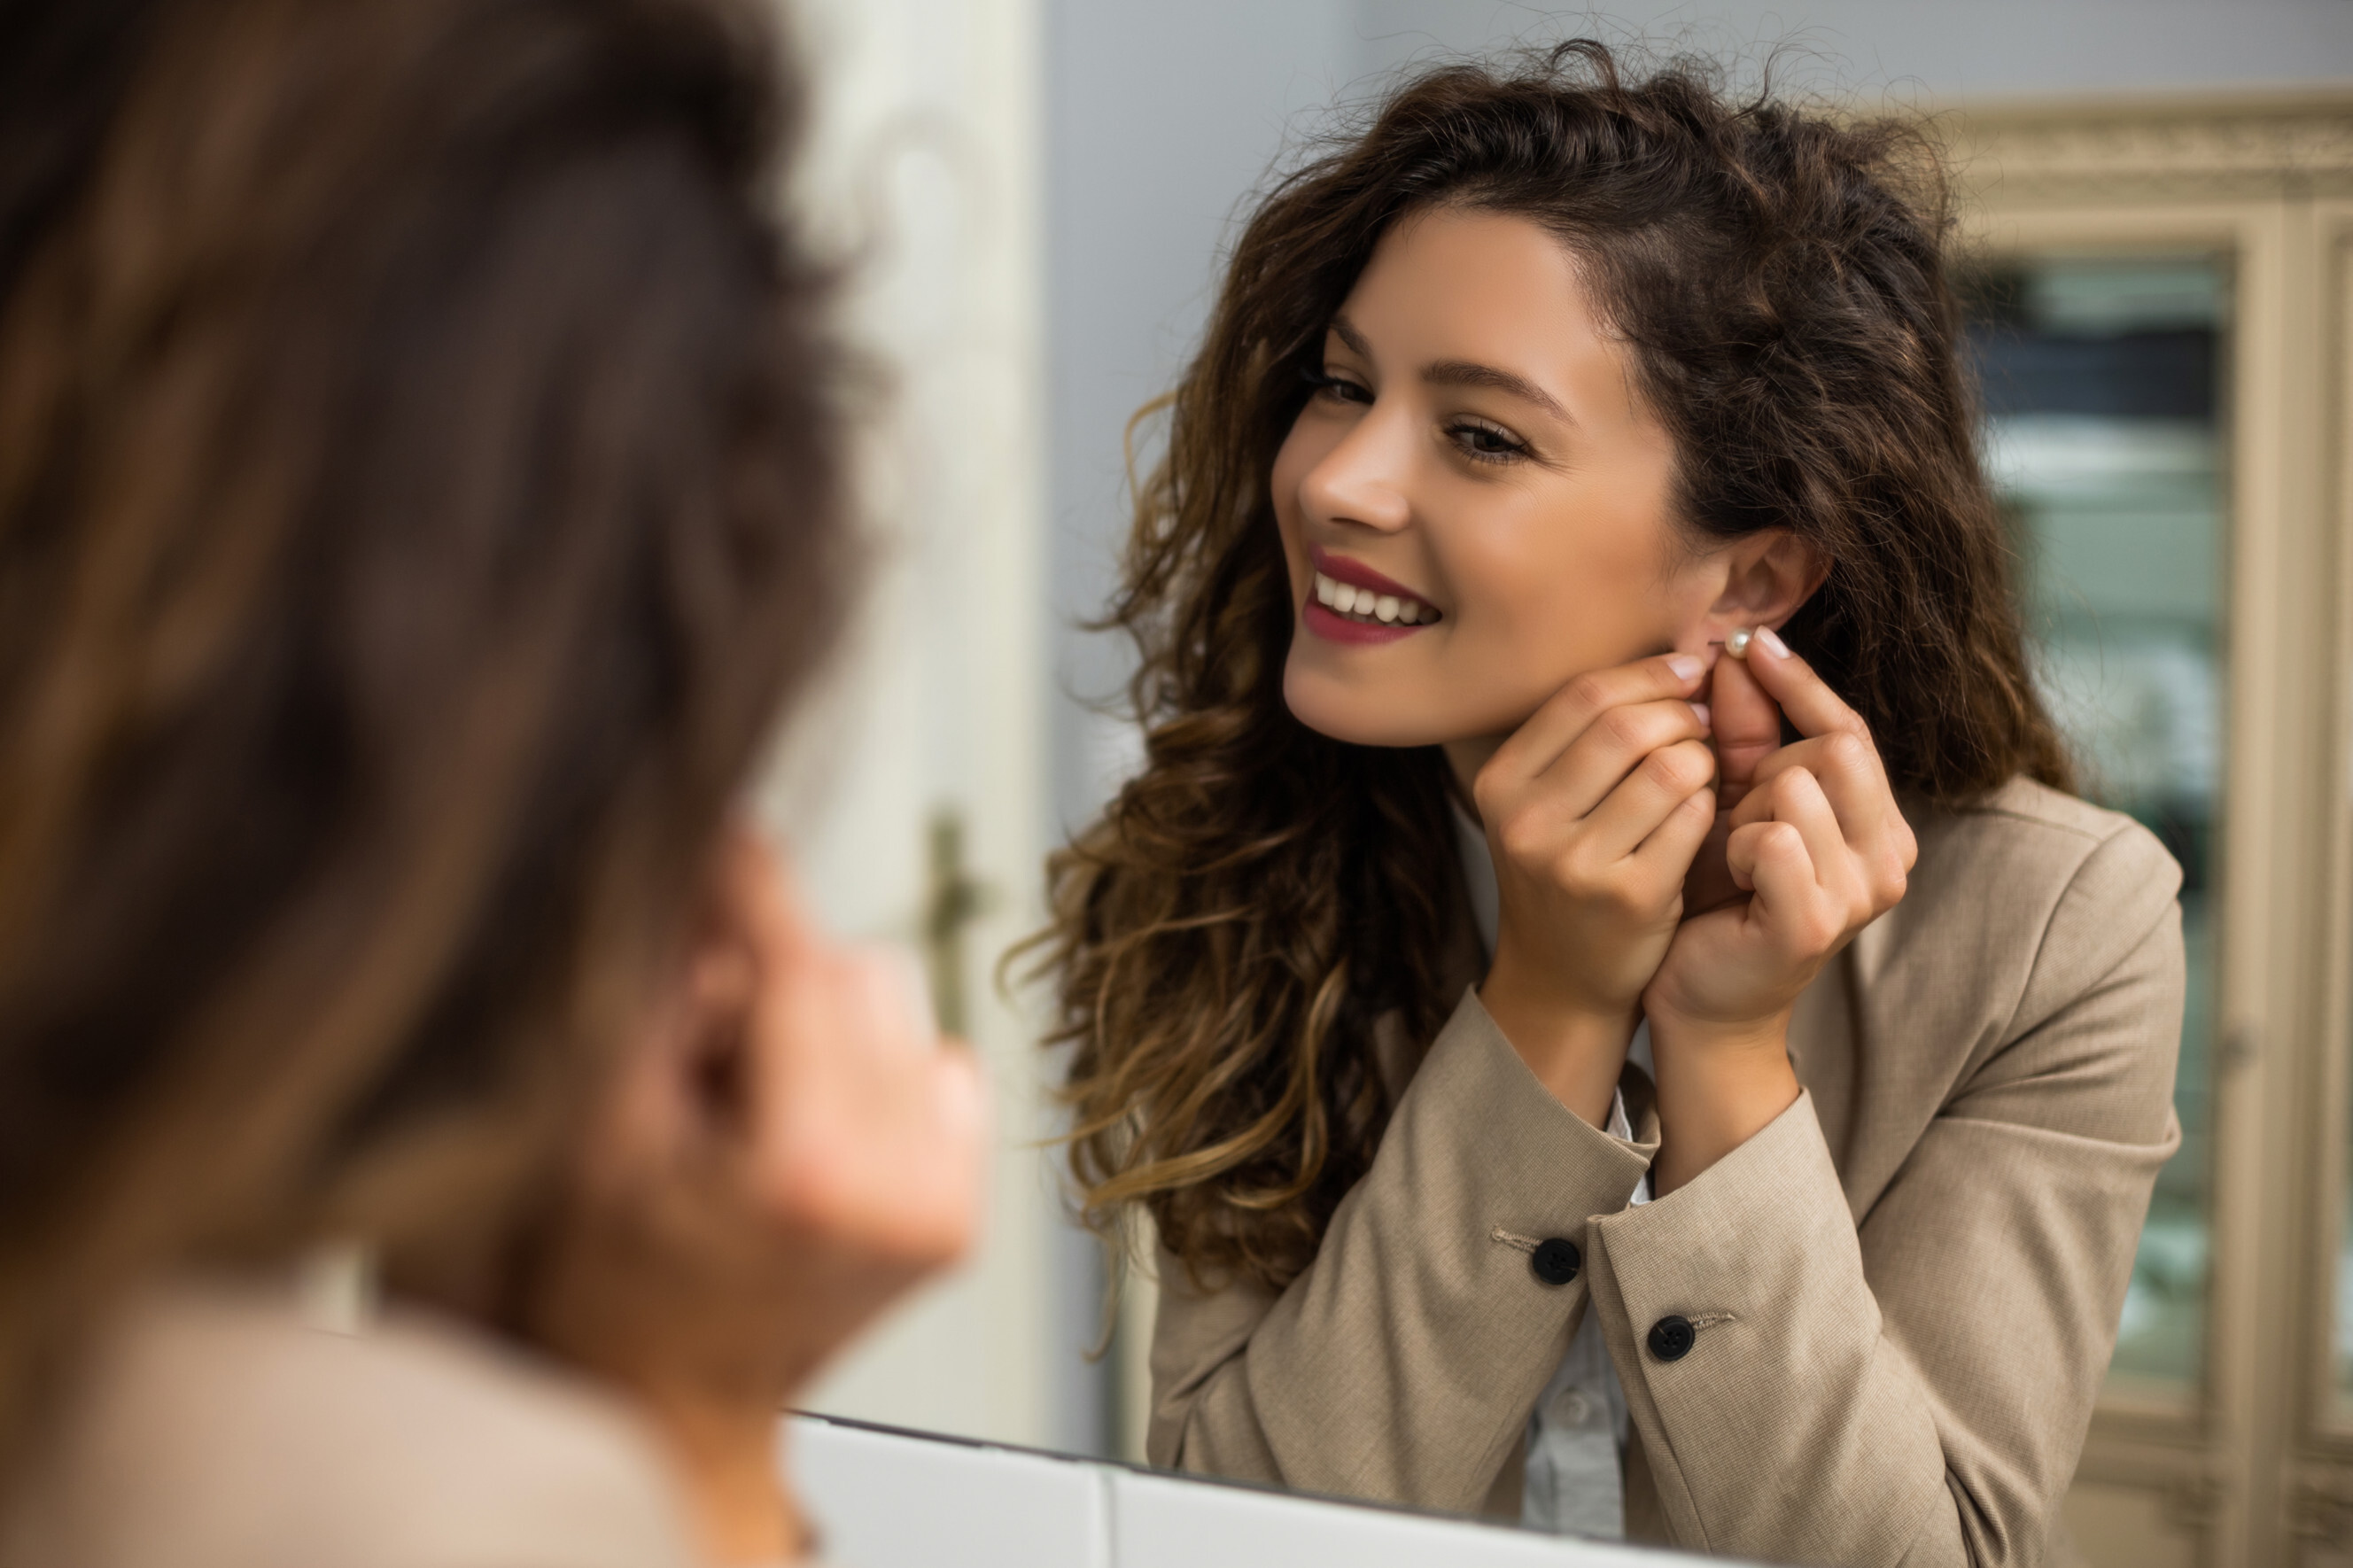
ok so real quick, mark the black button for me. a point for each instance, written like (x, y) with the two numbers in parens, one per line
(1555, 1261)
(1672, 1338)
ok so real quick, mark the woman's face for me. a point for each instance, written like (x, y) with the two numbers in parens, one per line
(1477, 464)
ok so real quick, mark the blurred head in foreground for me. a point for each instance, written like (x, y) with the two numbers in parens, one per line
(420, 498)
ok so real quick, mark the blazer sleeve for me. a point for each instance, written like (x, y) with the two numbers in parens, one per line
(1916, 1388)
(1403, 1362)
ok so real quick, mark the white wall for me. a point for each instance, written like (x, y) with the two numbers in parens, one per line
(923, 172)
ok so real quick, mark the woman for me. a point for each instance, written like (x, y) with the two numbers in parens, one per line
(419, 492)
(1586, 1057)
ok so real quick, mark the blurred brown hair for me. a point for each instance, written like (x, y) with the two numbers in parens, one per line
(1250, 904)
(418, 494)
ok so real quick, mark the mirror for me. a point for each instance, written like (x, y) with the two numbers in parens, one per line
(963, 746)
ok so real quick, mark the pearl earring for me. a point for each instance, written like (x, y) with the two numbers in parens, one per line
(1736, 645)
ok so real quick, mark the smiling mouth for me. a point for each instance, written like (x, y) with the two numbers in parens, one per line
(1370, 608)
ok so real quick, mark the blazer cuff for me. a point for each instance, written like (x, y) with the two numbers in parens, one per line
(1731, 1306)
(1703, 1237)
(1557, 1169)
(1447, 1285)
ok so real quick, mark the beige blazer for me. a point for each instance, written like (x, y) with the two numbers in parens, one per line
(1905, 1290)
(220, 1430)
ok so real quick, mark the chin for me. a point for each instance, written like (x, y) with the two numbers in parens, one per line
(1357, 717)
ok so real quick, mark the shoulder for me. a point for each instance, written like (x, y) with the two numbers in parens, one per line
(2028, 891)
(251, 1438)
(2027, 851)
(2034, 824)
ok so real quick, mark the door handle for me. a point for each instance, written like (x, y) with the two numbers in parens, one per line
(953, 900)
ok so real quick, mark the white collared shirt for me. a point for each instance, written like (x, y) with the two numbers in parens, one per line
(1575, 1480)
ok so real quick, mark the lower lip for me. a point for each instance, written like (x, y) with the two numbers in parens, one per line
(1333, 626)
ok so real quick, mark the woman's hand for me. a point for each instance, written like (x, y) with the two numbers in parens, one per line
(1594, 809)
(788, 1150)
(1815, 842)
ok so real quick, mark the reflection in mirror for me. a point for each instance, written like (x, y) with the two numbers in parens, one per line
(1560, 654)
(2101, 383)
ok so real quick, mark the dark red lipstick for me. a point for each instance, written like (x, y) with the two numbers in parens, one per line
(1356, 575)
(1329, 624)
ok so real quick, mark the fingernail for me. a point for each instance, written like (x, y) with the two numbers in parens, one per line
(1687, 667)
(1701, 709)
(1773, 644)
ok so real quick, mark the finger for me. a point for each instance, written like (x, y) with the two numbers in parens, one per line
(1709, 885)
(1552, 727)
(758, 894)
(1749, 847)
(1798, 801)
(1662, 782)
(895, 1006)
(1614, 750)
(1672, 848)
(1849, 771)
(1784, 878)
(1748, 728)
(1803, 695)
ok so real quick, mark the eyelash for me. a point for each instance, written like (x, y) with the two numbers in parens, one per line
(1327, 384)
(1511, 451)
(1463, 432)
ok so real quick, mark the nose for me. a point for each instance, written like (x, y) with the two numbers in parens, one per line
(1362, 479)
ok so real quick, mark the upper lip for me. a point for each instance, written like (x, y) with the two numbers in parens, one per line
(1356, 575)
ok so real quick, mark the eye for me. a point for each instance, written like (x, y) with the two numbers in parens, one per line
(1484, 443)
(1338, 387)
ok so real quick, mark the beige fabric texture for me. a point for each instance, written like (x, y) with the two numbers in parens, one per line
(222, 1431)
(1907, 1286)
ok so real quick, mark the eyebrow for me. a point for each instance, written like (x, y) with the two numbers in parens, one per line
(1462, 373)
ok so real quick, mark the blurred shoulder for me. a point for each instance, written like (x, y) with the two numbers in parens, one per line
(246, 1436)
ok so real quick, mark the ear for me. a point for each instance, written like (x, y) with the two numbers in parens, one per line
(1765, 577)
(678, 1082)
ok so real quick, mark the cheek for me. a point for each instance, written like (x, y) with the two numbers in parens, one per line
(1581, 587)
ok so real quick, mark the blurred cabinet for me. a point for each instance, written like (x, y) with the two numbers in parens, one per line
(2159, 310)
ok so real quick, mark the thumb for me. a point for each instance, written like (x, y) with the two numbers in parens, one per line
(1747, 724)
(758, 897)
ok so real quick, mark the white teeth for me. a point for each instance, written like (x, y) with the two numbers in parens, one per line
(1389, 609)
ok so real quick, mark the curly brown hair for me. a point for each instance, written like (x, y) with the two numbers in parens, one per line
(1228, 934)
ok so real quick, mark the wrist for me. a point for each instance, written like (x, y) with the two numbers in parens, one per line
(1575, 1048)
(1683, 1033)
(1719, 1085)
